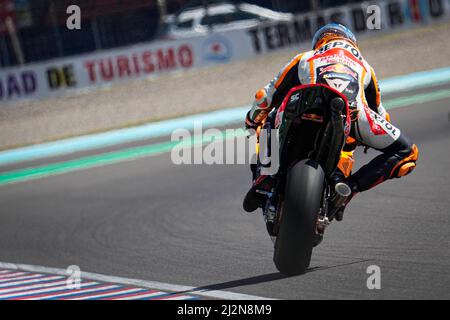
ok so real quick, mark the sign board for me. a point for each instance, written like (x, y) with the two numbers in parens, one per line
(99, 69)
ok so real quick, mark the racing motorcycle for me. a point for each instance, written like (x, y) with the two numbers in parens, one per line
(312, 124)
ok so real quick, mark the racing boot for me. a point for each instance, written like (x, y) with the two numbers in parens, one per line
(256, 197)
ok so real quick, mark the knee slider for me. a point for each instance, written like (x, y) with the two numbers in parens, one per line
(406, 169)
(407, 164)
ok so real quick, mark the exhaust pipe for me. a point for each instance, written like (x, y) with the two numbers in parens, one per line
(343, 191)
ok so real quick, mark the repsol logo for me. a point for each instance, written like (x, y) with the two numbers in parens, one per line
(340, 45)
(386, 124)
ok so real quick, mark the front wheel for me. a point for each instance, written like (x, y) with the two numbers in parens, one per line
(302, 201)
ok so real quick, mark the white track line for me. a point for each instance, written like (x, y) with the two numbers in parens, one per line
(178, 298)
(9, 276)
(83, 291)
(30, 281)
(45, 290)
(116, 292)
(141, 296)
(17, 278)
(135, 282)
(34, 286)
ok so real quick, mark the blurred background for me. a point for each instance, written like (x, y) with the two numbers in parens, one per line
(86, 116)
(39, 26)
(138, 51)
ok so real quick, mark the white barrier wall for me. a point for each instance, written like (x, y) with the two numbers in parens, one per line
(72, 74)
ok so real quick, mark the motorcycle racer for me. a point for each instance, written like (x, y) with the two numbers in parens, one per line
(336, 61)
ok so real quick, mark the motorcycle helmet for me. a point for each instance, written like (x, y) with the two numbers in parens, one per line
(332, 31)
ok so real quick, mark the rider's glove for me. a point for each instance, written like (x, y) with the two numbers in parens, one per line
(249, 123)
(260, 109)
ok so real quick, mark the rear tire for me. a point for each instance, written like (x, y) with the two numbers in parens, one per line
(303, 197)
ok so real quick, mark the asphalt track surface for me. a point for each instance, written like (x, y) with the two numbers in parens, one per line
(149, 219)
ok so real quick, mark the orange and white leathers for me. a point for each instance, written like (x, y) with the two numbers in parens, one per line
(340, 65)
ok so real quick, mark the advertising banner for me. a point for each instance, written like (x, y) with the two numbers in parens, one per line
(368, 18)
(104, 68)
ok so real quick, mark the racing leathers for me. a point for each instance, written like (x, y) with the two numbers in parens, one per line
(340, 65)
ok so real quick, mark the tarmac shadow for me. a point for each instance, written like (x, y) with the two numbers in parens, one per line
(268, 277)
